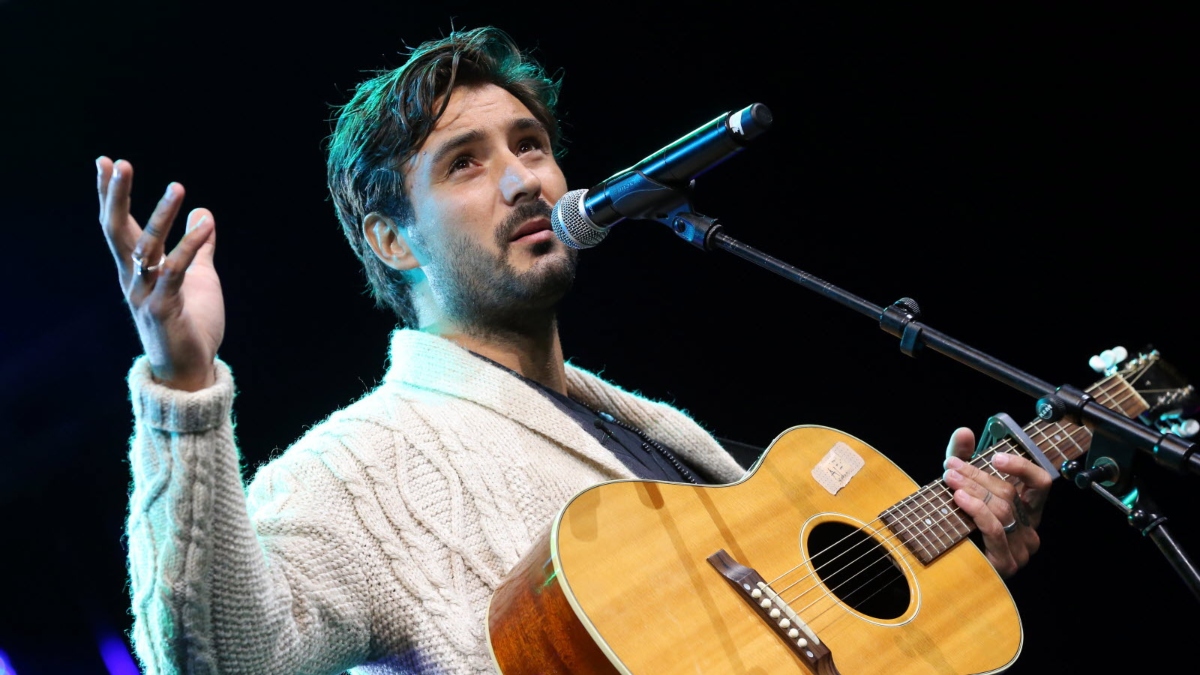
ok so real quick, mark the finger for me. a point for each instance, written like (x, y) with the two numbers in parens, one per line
(995, 539)
(208, 244)
(1033, 476)
(200, 231)
(962, 443)
(989, 477)
(104, 167)
(998, 498)
(1032, 542)
(1034, 482)
(150, 247)
(120, 230)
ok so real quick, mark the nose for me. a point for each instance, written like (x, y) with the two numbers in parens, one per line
(519, 182)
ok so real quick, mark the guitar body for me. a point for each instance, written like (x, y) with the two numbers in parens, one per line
(622, 581)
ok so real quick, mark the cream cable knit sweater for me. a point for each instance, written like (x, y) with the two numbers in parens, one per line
(377, 538)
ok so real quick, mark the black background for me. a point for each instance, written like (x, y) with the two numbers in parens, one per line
(1021, 173)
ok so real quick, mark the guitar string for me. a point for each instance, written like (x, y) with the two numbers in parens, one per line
(928, 487)
(1099, 389)
(984, 455)
(861, 586)
(1005, 442)
(1099, 392)
(901, 550)
(1078, 428)
(1070, 436)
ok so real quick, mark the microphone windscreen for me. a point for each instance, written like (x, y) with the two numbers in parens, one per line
(570, 224)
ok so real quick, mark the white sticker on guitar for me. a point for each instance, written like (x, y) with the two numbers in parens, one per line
(837, 467)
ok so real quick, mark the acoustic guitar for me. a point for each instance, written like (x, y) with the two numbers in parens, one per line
(824, 558)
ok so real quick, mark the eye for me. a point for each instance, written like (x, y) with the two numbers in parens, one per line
(530, 144)
(461, 162)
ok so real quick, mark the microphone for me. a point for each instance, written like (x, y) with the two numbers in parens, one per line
(655, 186)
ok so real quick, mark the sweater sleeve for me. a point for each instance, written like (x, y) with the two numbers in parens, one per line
(210, 593)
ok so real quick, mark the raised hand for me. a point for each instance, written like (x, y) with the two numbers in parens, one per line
(175, 298)
(1006, 514)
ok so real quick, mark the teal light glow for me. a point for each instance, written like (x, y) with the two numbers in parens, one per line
(1130, 499)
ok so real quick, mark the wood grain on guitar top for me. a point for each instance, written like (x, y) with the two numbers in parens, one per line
(622, 584)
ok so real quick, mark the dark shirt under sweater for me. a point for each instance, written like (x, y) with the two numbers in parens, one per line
(640, 456)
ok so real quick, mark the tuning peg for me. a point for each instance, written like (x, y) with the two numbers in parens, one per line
(1185, 428)
(1106, 361)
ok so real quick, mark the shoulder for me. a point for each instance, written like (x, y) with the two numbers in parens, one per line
(595, 388)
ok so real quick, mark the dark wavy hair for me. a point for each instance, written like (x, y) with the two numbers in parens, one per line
(388, 119)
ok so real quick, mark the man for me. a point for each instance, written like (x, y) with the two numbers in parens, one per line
(376, 540)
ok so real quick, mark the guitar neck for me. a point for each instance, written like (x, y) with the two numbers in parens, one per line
(930, 523)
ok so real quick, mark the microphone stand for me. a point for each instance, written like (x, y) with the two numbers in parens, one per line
(1053, 403)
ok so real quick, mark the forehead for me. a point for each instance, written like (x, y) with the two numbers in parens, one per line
(476, 107)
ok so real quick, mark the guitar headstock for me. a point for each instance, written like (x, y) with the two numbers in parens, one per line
(1172, 399)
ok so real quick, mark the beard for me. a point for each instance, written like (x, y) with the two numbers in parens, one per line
(484, 294)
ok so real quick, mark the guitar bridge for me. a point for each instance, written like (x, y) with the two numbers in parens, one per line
(752, 588)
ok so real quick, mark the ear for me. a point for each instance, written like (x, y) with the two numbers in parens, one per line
(388, 242)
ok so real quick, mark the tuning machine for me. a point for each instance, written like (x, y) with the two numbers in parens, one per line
(1106, 362)
(1173, 422)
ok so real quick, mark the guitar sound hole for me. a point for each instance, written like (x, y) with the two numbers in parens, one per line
(858, 570)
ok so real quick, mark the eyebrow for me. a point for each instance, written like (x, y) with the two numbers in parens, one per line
(455, 142)
(527, 123)
(475, 135)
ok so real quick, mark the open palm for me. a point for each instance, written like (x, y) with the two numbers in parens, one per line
(175, 298)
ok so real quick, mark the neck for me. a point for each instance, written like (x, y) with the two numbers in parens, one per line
(535, 353)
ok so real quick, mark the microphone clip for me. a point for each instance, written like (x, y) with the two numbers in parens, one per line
(638, 193)
(695, 228)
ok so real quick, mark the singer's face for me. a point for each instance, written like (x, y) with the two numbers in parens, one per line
(482, 188)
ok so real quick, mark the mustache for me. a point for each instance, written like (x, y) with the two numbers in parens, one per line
(519, 216)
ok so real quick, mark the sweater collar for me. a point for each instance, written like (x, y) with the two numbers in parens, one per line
(433, 363)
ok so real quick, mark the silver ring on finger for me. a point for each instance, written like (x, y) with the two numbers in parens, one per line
(987, 497)
(1011, 527)
(140, 267)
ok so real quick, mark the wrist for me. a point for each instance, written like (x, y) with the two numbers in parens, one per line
(190, 380)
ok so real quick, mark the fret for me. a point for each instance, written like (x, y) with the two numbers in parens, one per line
(932, 522)
(950, 512)
(917, 530)
(1048, 440)
(899, 519)
(929, 523)
(939, 503)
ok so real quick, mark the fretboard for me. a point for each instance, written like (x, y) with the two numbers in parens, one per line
(930, 523)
